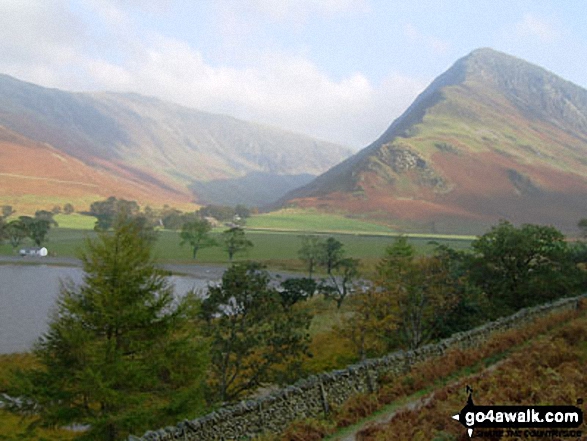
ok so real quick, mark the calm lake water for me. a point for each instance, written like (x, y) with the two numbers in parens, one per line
(28, 294)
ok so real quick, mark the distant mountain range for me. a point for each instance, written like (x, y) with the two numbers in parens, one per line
(494, 137)
(78, 147)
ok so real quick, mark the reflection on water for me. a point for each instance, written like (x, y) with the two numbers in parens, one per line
(28, 293)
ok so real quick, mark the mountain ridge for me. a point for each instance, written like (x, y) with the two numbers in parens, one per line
(524, 123)
(162, 143)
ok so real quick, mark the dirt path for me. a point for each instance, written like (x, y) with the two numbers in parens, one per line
(384, 418)
(415, 404)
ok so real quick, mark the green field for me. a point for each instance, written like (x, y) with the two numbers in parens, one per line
(276, 239)
(75, 221)
(276, 249)
(312, 221)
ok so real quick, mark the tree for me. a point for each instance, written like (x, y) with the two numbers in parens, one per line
(46, 215)
(311, 252)
(331, 254)
(242, 211)
(121, 353)
(471, 307)
(296, 290)
(341, 271)
(68, 208)
(250, 333)
(3, 232)
(235, 241)
(172, 219)
(196, 234)
(16, 231)
(7, 211)
(36, 228)
(406, 305)
(525, 266)
(373, 323)
(424, 298)
(106, 211)
(219, 212)
(341, 279)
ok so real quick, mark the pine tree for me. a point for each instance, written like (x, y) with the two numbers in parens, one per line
(121, 354)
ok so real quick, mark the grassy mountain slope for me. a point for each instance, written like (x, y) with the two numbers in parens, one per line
(34, 175)
(164, 145)
(493, 137)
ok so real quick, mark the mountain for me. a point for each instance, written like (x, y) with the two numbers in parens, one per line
(494, 137)
(167, 151)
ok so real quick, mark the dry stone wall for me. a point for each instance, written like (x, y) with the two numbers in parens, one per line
(313, 396)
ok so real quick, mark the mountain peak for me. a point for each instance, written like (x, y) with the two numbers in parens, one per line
(492, 137)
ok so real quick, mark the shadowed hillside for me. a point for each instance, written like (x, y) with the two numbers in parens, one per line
(168, 148)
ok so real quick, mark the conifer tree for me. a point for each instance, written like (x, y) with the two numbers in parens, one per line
(121, 353)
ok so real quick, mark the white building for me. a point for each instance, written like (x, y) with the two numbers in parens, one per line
(34, 251)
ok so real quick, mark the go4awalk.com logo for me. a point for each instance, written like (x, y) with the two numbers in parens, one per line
(520, 421)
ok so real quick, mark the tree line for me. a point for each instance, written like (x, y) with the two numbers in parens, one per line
(17, 230)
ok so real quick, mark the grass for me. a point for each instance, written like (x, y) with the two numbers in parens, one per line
(312, 221)
(75, 221)
(276, 239)
(279, 250)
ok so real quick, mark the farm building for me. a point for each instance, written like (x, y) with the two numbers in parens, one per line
(34, 251)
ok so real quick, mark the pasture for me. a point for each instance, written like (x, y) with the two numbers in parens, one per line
(279, 250)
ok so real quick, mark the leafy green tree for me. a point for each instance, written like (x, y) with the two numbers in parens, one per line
(296, 290)
(37, 228)
(250, 333)
(472, 307)
(234, 241)
(424, 298)
(525, 266)
(311, 253)
(341, 277)
(46, 215)
(242, 211)
(341, 271)
(331, 254)
(121, 354)
(68, 208)
(172, 219)
(106, 211)
(197, 234)
(16, 231)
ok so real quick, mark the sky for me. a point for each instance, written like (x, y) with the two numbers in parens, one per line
(338, 70)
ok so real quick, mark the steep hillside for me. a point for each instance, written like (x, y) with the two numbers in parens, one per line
(164, 145)
(493, 137)
(35, 175)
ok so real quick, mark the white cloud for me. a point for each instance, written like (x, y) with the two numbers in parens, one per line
(416, 36)
(275, 87)
(299, 10)
(38, 38)
(532, 26)
(283, 90)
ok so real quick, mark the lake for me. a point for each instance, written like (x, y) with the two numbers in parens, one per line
(28, 294)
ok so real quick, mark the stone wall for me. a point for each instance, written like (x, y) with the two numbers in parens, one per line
(312, 397)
